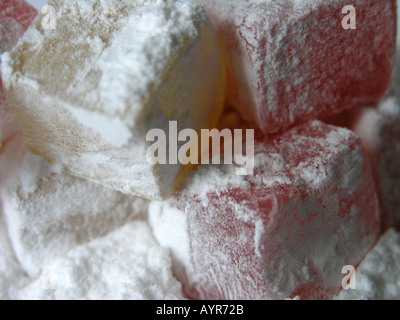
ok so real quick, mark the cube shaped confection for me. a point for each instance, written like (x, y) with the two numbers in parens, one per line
(15, 17)
(378, 275)
(49, 212)
(309, 209)
(379, 130)
(291, 61)
(126, 264)
(87, 92)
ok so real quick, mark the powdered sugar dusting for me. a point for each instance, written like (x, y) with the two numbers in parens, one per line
(127, 264)
(115, 70)
(378, 276)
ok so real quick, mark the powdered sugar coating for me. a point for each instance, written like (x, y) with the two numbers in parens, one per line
(105, 77)
(49, 212)
(12, 276)
(126, 264)
(378, 276)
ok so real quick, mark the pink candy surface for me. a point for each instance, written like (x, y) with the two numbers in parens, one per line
(309, 209)
(293, 61)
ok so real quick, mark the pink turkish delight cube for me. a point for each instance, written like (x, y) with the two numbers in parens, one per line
(291, 61)
(309, 209)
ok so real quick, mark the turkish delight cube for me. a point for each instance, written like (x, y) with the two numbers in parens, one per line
(126, 264)
(291, 61)
(87, 92)
(49, 212)
(309, 209)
